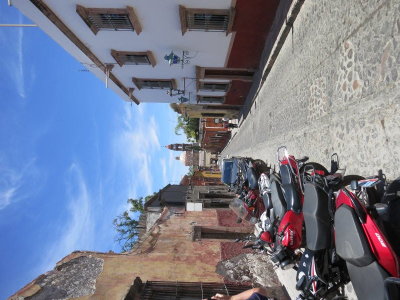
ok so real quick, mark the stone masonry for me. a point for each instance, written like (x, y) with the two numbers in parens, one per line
(335, 87)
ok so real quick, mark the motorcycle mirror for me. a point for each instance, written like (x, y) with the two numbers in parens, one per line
(334, 163)
(354, 185)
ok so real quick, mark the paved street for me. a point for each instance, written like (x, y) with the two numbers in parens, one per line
(335, 87)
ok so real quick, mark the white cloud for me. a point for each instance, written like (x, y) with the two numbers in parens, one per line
(18, 183)
(19, 72)
(176, 168)
(15, 65)
(163, 164)
(79, 228)
(135, 144)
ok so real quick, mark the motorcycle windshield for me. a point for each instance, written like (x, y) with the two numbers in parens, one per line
(239, 208)
(227, 166)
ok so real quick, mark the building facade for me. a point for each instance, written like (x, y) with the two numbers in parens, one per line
(180, 248)
(213, 135)
(162, 51)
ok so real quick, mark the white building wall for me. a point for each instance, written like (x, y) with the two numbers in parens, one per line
(161, 33)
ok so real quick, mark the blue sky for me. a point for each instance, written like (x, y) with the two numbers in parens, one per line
(71, 154)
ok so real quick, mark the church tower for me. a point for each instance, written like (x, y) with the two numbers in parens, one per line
(183, 147)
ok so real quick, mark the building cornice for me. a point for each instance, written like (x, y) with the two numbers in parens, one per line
(46, 11)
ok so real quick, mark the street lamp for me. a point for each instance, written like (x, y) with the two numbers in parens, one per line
(174, 59)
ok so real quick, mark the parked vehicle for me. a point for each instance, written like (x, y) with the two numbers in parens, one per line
(248, 206)
(287, 200)
(241, 175)
(349, 226)
(242, 172)
(321, 273)
(367, 229)
(280, 228)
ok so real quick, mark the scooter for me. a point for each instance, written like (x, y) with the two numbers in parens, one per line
(367, 230)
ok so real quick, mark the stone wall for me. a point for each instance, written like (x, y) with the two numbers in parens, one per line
(167, 252)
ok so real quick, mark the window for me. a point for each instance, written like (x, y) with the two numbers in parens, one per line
(216, 204)
(214, 86)
(224, 73)
(212, 115)
(118, 19)
(175, 290)
(219, 232)
(195, 19)
(154, 83)
(210, 99)
(133, 58)
(215, 196)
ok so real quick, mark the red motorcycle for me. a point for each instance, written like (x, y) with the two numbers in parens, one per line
(249, 204)
(367, 232)
(286, 218)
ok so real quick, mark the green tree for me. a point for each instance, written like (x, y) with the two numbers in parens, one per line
(190, 171)
(127, 224)
(189, 126)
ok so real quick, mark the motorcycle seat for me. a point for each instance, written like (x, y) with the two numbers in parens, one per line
(351, 243)
(316, 217)
(267, 200)
(289, 188)
(368, 281)
(278, 201)
(252, 178)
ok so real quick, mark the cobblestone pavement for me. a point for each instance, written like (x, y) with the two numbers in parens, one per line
(335, 87)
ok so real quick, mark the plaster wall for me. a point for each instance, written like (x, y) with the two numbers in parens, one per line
(168, 253)
(161, 33)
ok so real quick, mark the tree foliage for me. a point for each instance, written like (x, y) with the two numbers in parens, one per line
(191, 171)
(189, 126)
(127, 224)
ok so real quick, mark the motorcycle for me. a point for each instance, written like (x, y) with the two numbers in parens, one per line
(321, 273)
(248, 205)
(287, 197)
(280, 229)
(242, 173)
(367, 230)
